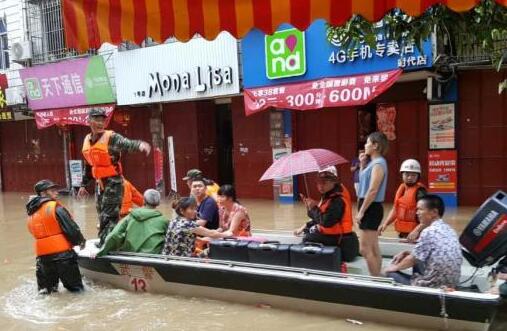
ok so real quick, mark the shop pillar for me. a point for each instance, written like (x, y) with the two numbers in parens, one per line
(281, 142)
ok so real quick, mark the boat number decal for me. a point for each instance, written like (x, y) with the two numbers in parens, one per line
(139, 284)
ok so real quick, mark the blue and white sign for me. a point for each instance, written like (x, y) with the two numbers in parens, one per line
(329, 59)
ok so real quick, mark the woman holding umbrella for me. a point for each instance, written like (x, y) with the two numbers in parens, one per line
(372, 189)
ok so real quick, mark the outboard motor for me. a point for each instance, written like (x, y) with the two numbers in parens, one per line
(484, 240)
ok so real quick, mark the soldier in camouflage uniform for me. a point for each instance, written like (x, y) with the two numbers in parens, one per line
(102, 151)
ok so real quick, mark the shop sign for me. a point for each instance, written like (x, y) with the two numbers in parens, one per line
(158, 165)
(6, 115)
(326, 92)
(67, 84)
(76, 172)
(68, 116)
(178, 71)
(285, 54)
(442, 125)
(322, 58)
(3, 86)
(386, 120)
(442, 171)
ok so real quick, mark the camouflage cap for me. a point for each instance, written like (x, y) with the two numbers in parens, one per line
(192, 174)
(95, 112)
(43, 185)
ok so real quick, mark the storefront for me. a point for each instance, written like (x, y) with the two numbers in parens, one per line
(187, 91)
(59, 95)
(340, 95)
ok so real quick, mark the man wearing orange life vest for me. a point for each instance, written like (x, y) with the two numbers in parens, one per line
(403, 213)
(331, 219)
(102, 152)
(55, 233)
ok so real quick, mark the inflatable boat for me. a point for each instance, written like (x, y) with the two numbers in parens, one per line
(350, 295)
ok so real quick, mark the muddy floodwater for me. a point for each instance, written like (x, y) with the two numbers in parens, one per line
(101, 307)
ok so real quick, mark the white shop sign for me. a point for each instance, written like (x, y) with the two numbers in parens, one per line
(178, 71)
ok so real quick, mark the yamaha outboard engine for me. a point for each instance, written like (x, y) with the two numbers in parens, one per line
(484, 240)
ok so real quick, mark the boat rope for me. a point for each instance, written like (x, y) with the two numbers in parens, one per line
(443, 308)
(469, 278)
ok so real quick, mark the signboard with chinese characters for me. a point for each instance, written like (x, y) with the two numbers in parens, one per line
(195, 69)
(442, 125)
(326, 92)
(68, 116)
(442, 171)
(6, 115)
(325, 58)
(386, 120)
(67, 84)
(3, 86)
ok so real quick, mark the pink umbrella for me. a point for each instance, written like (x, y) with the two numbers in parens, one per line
(302, 162)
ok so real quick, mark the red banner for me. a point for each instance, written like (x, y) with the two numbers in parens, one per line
(442, 171)
(327, 92)
(158, 164)
(68, 116)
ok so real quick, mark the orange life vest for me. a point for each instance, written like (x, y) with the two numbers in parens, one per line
(405, 208)
(131, 196)
(344, 225)
(45, 228)
(97, 155)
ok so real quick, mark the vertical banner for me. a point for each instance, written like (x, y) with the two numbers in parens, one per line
(285, 186)
(172, 164)
(442, 124)
(158, 163)
(386, 120)
(443, 171)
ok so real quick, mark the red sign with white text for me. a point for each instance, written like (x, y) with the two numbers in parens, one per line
(442, 171)
(326, 92)
(68, 116)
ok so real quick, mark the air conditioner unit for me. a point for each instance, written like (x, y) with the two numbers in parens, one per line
(15, 95)
(21, 51)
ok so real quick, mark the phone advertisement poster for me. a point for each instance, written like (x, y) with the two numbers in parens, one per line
(442, 171)
(442, 126)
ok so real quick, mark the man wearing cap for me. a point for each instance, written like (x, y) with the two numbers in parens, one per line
(142, 231)
(102, 151)
(196, 174)
(55, 233)
(331, 219)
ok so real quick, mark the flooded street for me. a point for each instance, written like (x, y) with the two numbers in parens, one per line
(101, 307)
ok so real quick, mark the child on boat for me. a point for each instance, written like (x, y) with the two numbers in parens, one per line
(403, 213)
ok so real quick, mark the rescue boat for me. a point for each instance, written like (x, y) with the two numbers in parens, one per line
(352, 295)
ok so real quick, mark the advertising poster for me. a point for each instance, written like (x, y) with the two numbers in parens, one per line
(442, 126)
(76, 172)
(442, 171)
(285, 185)
(386, 120)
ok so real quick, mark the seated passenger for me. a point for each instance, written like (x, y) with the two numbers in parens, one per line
(142, 231)
(331, 218)
(182, 232)
(436, 258)
(131, 197)
(207, 209)
(211, 186)
(234, 219)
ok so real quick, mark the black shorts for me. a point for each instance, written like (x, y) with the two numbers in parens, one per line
(372, 216)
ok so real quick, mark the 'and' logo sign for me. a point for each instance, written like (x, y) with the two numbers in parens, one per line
(285, 54)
